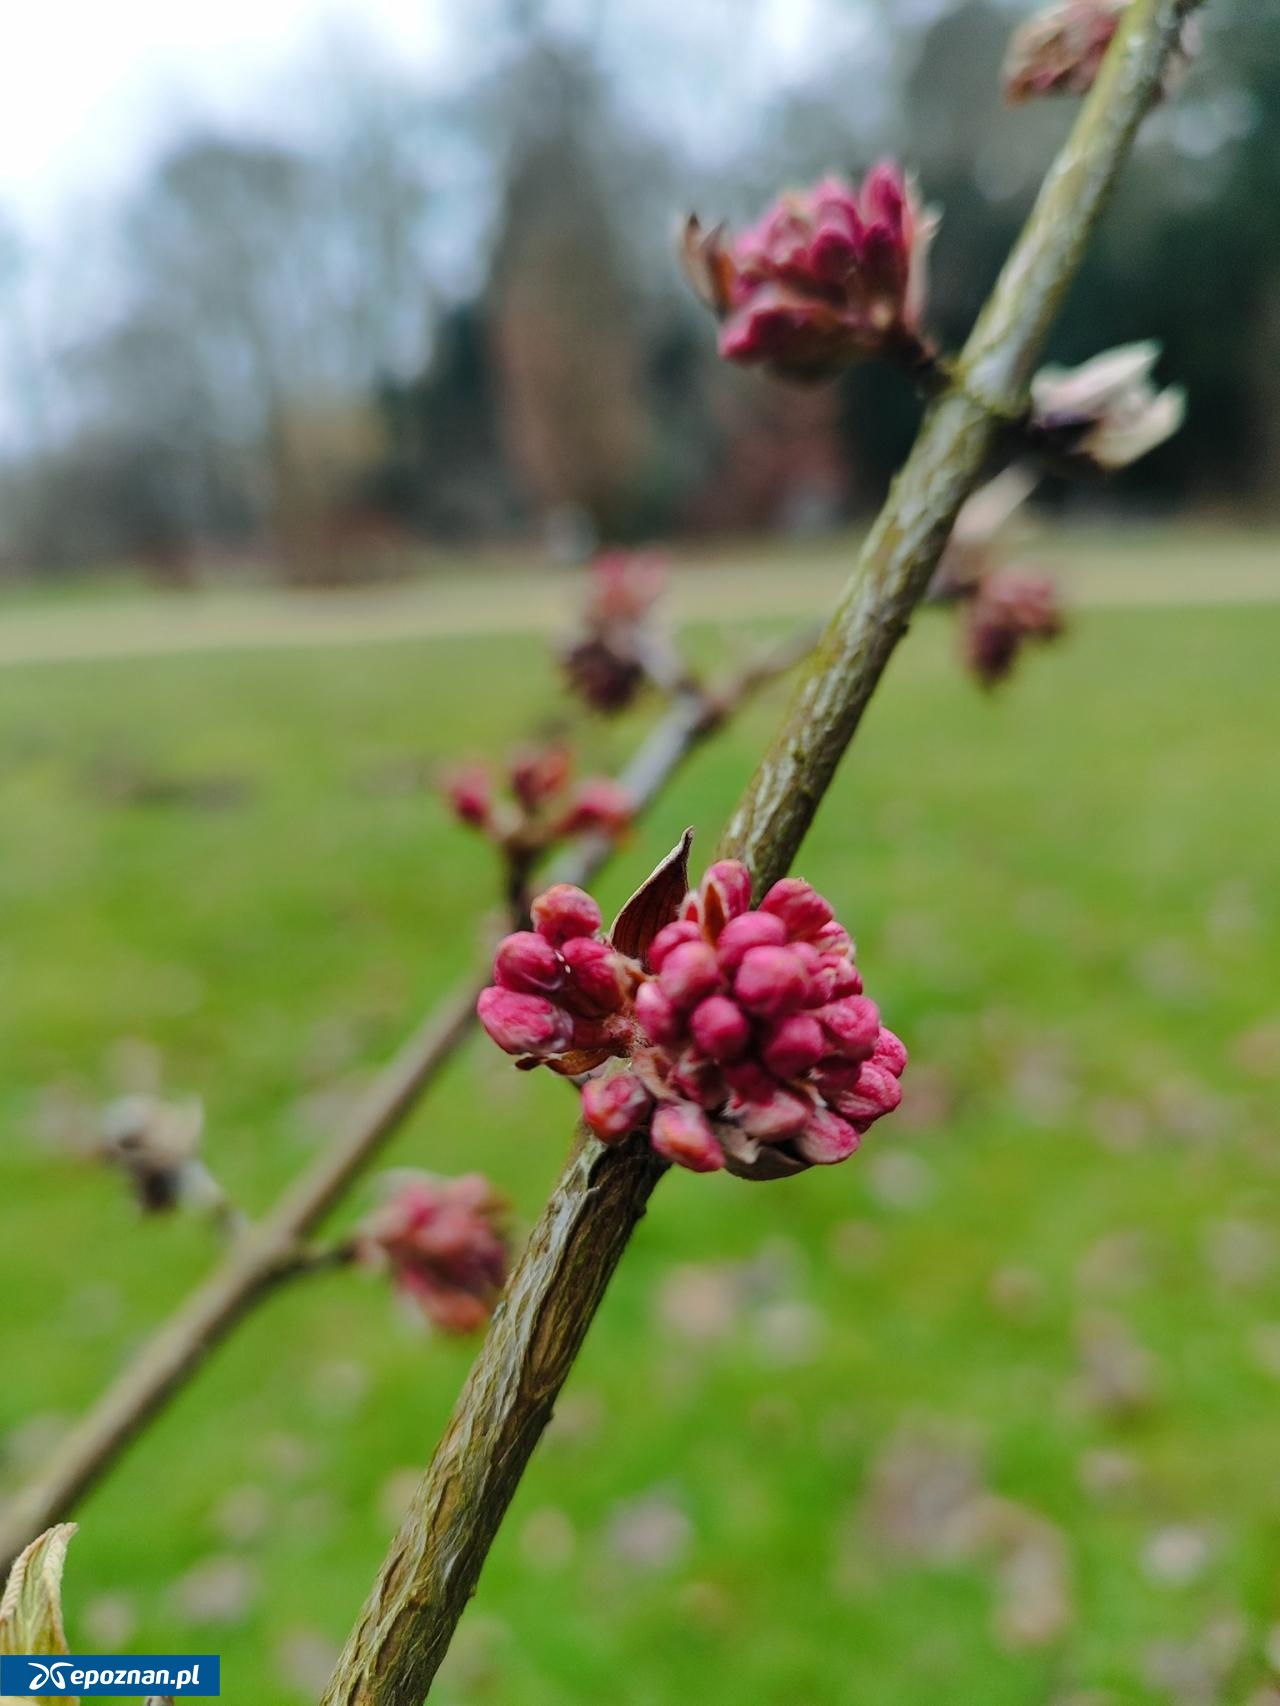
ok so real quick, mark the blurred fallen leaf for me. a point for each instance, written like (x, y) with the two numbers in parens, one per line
(649, 1534)
(1119, 1376)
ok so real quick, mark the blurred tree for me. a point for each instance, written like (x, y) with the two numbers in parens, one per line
(447, 472)
(566, 331)
(477, 295)
(21, 367)
(266, 286)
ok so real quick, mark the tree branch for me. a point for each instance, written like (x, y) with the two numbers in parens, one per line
(274, 1248)
(434, 1563)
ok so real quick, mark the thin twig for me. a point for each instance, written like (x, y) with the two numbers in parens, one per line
(275, 1247)
(434, 1563)
(310, 1259)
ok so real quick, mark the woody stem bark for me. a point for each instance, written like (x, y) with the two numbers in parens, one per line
(431, 1570)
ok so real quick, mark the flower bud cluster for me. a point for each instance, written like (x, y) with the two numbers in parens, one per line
(1011, 607)
(829, 276)
(543, 802)
(748, 1039)
(1001, 606)
(560, 993)
(621, 645)
(1060, 50)
(445, 1243)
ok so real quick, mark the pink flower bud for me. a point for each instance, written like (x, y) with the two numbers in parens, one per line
(890, 1052)
(834, 940)
(878, 1092)
(615, 1107)
(470, 795)
(835, 978)
(828, 277)
(1011, 607)
(827, 1139)
(751, 930)
(604, 672)
(800, 907)
(689, 974)
(809, 958)
(1060, 50)
(720, 1028)
(524, 1024)
(683, 1134)
(853, 1025)
(595, 986)
(771, 982)
(625, 586)
(600, 805)
(669, 937)
(538, 774)
(565, 912)
(795, 1046)
(774, 1113)
(528, 964)
(656, 1016)
(724, 893)
(445, 1242)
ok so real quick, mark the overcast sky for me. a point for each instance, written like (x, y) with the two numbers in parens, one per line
(92, 90)
(88, 88)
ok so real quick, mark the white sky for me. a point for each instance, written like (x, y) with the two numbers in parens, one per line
(88, 88)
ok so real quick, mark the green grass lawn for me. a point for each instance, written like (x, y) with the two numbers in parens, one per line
(987, 1417)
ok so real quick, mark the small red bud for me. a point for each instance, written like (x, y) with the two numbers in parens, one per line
(835, 978)
(595, 987)
(528, 964)
(539, 773)
(724, 893)
(751, 930)
(615, 1107)
(599, 804)
(827, 1139)
(853, 1026)
(795, 1046)
(777, 1114)
(669, 937)
(689, 974)
(656, 1016)
(470, 795)
(800, 907)
(524, 1024)
(890, 1052)
(771, 982)
(445, 1242)
(683, 1134)
(878, 1092)
(565, 912)
(720, 1028)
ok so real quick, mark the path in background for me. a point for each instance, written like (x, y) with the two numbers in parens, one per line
(1189, 566)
